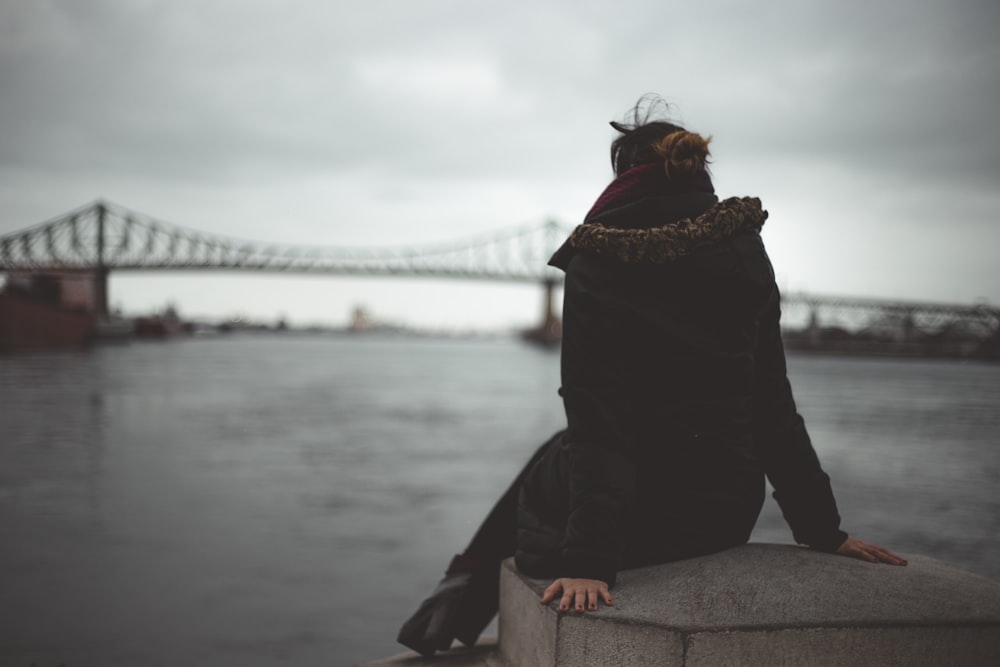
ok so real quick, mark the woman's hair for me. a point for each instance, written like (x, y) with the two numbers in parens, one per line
(646, 139)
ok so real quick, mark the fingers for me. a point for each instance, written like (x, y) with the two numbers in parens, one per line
(872, 553)
(876, 554)
(550, 593)
(886, 556)
(567, 598)
(861, 551)
(577, 594)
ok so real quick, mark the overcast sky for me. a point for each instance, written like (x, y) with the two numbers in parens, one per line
(868, 129)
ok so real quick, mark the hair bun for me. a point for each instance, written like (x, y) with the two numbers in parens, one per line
(684, 153)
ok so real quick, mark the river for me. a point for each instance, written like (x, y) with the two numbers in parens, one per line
(261, 500)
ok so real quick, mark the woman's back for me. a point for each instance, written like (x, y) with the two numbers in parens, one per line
(658, 372)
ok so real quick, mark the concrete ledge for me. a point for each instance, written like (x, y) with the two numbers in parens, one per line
(763, 604)
(483, 654)
(759, 604)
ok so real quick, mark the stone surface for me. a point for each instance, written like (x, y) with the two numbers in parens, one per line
(759, 604)
(534, 626)
(587, 640)
(835, 647)
(764, 604)
(483, 654)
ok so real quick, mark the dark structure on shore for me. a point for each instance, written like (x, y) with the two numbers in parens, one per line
(873, 327)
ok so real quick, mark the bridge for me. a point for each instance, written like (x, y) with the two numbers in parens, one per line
(928, 316)
(101, 237)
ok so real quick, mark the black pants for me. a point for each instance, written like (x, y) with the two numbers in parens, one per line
(496, 538)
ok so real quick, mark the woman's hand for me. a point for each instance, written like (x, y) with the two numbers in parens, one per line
(582, 594)
(856, 548)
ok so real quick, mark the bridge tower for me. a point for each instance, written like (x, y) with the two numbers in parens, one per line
(549, 331)
(550, 320)
(101, 270)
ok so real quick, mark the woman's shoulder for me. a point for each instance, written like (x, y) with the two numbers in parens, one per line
(638, 239)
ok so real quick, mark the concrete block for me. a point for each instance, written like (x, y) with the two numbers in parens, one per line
(593, 640)
(758, 604)
(762, 604)
(530, 628)
(847, 647)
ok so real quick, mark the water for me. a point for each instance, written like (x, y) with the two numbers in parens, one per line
(273, 500)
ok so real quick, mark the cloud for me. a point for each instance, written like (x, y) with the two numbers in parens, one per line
(395, 120)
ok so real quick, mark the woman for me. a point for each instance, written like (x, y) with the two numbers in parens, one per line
(676, 397)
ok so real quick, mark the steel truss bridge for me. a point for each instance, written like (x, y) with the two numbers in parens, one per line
(104, 235)
(101, 237)
(903, 320)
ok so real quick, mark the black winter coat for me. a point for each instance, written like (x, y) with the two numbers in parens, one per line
(676, 397)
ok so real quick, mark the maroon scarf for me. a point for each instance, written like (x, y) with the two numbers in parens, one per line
(647, 180)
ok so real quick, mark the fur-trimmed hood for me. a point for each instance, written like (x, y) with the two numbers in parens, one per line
(659, 245)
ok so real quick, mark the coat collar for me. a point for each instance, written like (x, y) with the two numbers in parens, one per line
(611, 234)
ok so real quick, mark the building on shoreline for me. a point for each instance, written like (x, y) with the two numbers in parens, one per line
(43, 311)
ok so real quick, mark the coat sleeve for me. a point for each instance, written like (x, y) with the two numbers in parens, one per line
(602, 474)
(801, 487)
